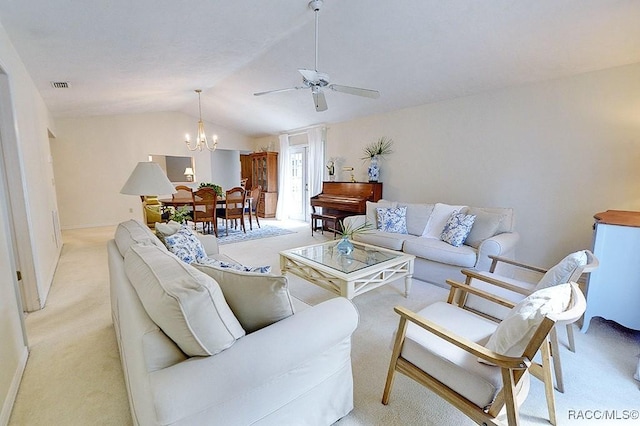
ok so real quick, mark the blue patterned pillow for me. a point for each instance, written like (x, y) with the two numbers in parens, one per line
(233, 265)
(392, 219)
(457, 228)
(185, 244)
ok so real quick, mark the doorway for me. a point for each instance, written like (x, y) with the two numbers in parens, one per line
(298, 158)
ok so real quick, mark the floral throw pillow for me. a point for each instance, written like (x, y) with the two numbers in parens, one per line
(185, 245)
(233, 265)
(392, 219)
(457, 228)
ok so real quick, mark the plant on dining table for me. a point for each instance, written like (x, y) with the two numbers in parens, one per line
(215, 187)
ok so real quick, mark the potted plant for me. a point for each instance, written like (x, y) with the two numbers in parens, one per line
(373, 152)
(215, 187)
(345, 246)
(180, 215)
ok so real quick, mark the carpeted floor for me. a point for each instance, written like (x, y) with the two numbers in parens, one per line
(73, 376)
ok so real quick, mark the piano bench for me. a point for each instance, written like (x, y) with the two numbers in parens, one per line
(334, 219)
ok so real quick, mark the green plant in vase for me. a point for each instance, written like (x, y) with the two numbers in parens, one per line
(345, 246)
(215, 187)
(373, 152)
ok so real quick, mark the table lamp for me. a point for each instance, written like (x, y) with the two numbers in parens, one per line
(148, 178)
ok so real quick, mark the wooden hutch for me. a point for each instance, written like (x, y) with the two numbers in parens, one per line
(264, 172)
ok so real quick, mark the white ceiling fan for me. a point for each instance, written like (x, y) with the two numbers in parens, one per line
(317, 81)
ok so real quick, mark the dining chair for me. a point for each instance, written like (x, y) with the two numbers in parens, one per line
(235, 199)
(253, 209)
(478, 365)
(205, 209)
(569, 269)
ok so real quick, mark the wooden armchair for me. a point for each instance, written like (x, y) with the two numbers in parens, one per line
(439, 347)
(568, 270)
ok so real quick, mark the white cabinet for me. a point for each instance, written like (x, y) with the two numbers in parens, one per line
(613, 289)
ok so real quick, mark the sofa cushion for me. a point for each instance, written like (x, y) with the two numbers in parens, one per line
(185, 244)
(417, 216)
(457, 228)
(516, 330)
(134, 232)
(507, 223)
(163, 230)
(561, 273)
(372, 214)
(383, 239)
(437, 220)
(392, 219)
(231, 265)
(185, 303)
(257, 300)
(485, 226)
(439, 251)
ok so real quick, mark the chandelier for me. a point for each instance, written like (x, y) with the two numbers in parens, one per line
(201, 138)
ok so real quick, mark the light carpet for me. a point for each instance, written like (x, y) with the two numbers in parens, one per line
(73, 376)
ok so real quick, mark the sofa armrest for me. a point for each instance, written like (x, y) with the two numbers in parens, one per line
(499, 245)
(352, 222)
(315, 341)
(210, 244)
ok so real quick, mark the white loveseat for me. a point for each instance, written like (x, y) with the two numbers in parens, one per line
(296, 371)
(436, 260)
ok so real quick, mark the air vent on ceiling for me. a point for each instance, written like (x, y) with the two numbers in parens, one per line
(60, 84)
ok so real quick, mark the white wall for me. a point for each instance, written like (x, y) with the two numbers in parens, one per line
(557, 152)
(225, 168)
(94, 156)
(24, 124)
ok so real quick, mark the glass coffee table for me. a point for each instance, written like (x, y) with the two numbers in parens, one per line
(366, 268)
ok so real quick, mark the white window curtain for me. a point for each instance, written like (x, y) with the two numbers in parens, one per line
(316, 138)
(283, 178)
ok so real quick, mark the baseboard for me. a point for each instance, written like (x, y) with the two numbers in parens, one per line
(7, 406)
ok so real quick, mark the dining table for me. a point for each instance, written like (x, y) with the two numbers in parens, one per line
(221, 202)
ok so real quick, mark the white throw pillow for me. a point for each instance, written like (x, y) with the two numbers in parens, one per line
(133, 232)
(163, 230)
(516, 330)
(561, 272)
(185, 303)
(372, 214)
(392, 219)
(457, 228)
(439, 216)
(257, 300)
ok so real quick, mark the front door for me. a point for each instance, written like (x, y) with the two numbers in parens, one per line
(299, 184)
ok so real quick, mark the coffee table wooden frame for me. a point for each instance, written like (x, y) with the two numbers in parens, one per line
(354, 283)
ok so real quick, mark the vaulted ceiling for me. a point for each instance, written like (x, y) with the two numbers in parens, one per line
(124, 56)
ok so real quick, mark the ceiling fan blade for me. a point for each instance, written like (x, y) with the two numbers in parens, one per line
(367, 93)
(319, 100)
(279, 90)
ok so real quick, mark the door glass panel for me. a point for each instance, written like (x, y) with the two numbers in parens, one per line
(297, 185)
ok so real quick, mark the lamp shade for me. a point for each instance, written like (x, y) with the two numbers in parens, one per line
(148, 178)
(188, 171)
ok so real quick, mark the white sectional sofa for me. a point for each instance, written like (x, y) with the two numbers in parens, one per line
(295, 371)
(436, 261)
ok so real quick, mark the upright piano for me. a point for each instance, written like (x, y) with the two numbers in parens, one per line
(341, 199)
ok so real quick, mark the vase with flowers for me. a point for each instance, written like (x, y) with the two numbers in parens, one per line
(374, 152)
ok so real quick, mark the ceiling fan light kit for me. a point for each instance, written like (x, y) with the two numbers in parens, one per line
(316, 80)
